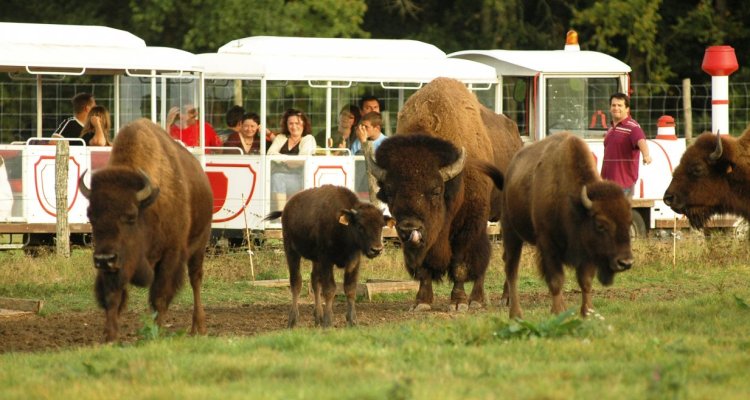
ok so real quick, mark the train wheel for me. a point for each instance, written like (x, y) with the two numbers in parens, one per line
(638, 226)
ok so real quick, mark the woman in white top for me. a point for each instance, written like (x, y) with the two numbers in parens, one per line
(294, 139)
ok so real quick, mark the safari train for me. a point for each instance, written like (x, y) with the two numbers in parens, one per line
(544, 92)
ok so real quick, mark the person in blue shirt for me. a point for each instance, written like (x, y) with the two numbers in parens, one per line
(369, 129)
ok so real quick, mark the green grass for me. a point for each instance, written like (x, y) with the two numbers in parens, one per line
(663, 332)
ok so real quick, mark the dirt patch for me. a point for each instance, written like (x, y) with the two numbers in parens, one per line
(31, 332)
(75, 329)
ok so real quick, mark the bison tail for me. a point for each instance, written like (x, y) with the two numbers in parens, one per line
(493, 172)
(272, 216)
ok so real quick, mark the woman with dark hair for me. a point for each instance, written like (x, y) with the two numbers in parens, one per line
(294, 139)
(245, 138)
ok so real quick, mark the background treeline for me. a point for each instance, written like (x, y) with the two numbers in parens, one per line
(662, 40)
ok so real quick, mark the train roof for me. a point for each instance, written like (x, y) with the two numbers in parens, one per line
(532, 62)
(334, 59)
(78, 49)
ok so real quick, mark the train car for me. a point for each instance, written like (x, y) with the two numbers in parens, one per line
(548, 91)
(138, 81)
(319, 76)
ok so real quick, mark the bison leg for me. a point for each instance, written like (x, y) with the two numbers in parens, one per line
(317, 284)
(328, 285)
(351, 275)
(555, 278)
(195, 271)
(459, 300)
(512, 246)
(585, 274)
(478, 259)
(112, 297)
(424, 295)
(295, 285)
(169, 274)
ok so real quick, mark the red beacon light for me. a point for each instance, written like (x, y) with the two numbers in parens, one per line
(665, 128)
(571, 41)
(720, 61)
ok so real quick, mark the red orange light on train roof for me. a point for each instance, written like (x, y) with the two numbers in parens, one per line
(571, 41)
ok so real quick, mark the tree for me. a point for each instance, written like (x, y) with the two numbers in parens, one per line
(629, 31)
(179, 24)
(467, 24)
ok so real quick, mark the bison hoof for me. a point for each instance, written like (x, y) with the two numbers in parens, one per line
(421, 307)
(475, 305)
(460, 307)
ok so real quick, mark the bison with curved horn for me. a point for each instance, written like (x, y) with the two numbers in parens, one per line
(150, 210)
(433, 175)
(555, 200)
(713, 177)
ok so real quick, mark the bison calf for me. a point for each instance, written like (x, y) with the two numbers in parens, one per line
(555, 199)
(329, 226)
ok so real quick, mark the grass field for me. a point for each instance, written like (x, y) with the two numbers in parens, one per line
(662, 331)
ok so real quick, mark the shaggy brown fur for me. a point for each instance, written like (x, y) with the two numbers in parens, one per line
(703, 186)
(149, 242)
(329, 226)
(544, 206)
(448, 218)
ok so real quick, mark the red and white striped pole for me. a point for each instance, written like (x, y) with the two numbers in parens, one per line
(720, 62)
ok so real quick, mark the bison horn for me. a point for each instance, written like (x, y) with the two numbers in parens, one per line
(717, 153)
(585, 198)
(144, 193)
(375, 170)
(450, 171)
(85, 191)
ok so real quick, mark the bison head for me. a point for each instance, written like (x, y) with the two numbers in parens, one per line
(366, 222)
(702, 183)
(604, 227)
(421, 180)
(117, 199)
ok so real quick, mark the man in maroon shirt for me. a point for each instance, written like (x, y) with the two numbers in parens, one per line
(623, 141)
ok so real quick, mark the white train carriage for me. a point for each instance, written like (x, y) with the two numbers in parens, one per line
(568, 90)
(39, 56)
(268, 75)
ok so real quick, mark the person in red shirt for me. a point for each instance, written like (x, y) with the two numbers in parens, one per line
(623, 141)
(184, 127)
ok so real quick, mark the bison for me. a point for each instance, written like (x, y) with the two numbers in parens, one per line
(712, 178)
(329, 226)
(555, 200)
(433, 175)
(150, 210)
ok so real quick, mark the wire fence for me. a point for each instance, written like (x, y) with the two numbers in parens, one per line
(648, 103)
(651, 101)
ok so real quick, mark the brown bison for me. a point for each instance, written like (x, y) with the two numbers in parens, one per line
(150, 210)
(713, 177)
(555, 200)
(329, 226)
(434, 177)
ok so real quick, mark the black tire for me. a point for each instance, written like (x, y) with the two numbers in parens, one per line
(638, 226)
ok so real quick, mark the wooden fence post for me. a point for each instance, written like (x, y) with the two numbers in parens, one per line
(62, 236)
(688, 107)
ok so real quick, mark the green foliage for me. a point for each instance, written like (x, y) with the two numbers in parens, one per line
(150, 330)
(567, 323)
(630, 31)
(204, 26)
